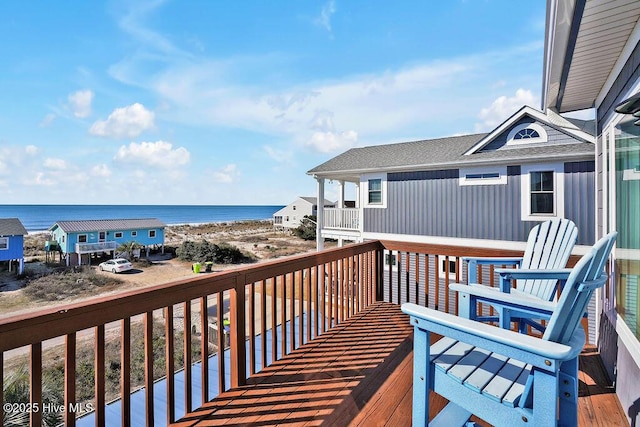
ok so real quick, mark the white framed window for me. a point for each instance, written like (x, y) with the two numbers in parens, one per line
(483, 176)
(447, 266)
(390, 260)
(542, 191)
(152, 234)
(134, 234)
(4, 243)
(374, 190)
(82, 238)
(118, 234)
(526, 133)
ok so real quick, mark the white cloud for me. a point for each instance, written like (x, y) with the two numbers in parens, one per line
(101, 170)
(280, 156)
(327, 142)
(324, 20)
(128, 122)
(47, 120)
(80, 103)
(502, 108)
(40, 179)
(31, 150)
(226, 175)
(55, 164)
(160, 154)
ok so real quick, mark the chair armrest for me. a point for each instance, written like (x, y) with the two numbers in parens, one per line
(532, 305)
(524, 273)
(540, 353)
(489, 260)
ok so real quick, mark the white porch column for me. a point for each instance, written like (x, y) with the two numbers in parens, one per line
(340, 203)
(320, 216)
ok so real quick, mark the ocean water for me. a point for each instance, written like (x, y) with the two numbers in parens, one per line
(41, 217)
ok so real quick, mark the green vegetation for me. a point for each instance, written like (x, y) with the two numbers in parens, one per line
(205, 251)
(59, 286)
(307, 228)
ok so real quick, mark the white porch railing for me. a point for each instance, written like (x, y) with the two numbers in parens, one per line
(342, 218)
(85, 248)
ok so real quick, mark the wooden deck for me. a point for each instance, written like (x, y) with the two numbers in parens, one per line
(360, 374)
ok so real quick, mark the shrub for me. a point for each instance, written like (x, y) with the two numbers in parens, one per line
(307, 228)
(62, 285)
(205, 251)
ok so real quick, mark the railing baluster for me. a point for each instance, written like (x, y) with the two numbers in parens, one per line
(417, 272)
(251, 318)
(35, 386)
(170, 361)
(99, 375)
(263, 322)
(406, 274)
(323, 297)
(436, 273)
(125, 373)
(221, 341)
(300, 285)
(309, 316)
(399, 278)
(283, 315)
(148, 367)
(69, 379)
(186, 321)
(204, 348)
(447, 275)
(274, 320)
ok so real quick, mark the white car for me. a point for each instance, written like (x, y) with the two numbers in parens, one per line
(117, 265)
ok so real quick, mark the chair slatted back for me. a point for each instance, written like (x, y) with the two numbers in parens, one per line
(549, 246)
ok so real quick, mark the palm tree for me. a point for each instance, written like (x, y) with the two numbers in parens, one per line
(128, 248)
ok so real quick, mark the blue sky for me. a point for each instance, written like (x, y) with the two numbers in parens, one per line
(208, 102)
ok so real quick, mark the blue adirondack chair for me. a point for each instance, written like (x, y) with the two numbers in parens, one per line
(549, 246)
(501, 376)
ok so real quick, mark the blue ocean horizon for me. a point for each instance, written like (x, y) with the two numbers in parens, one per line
(36, 218)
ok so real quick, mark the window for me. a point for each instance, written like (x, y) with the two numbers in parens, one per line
(118, 234)
(4, 243)
(82, 238)
(447, 266)
(375, 191)
(294, 207)
(483, 176)
(134, 234)
(542, 196)
(526, 133)
(542, 191)
(152, 233)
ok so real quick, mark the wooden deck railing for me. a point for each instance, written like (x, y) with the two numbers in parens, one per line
(291, 301)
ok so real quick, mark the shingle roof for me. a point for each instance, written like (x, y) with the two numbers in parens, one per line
(314, 200)
(12, 227)
(108, 224)
(442, 152)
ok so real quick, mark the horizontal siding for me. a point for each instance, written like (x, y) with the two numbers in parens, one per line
(15, 249)
(431, 203)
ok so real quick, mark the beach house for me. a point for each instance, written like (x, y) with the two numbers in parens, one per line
(592, 61)
(479, 190)
(291, 215)
(319, 338)
(12, 234)
(79, 240)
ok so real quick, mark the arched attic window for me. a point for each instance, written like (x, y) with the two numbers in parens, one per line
(526, 133)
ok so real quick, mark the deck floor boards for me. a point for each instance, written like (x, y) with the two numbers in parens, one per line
(360, 374)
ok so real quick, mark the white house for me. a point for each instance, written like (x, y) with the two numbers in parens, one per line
(291, 215)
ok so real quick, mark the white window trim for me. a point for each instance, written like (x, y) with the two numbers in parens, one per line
(115, 234)
(86, 238)
(543, 134)
(6, 243)
(443, 271)
(155, 234)
(558, 191)
(501, 180)
(134, 234)
(364, 187)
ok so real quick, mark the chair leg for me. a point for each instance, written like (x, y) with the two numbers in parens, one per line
(421, 380)
(568, 399)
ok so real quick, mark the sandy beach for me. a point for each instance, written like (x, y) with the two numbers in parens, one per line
(257, 239)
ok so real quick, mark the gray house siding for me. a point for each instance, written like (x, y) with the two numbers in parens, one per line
(554, 136)
(491, 212)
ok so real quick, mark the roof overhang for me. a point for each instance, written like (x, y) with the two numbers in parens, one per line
(586, 45)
